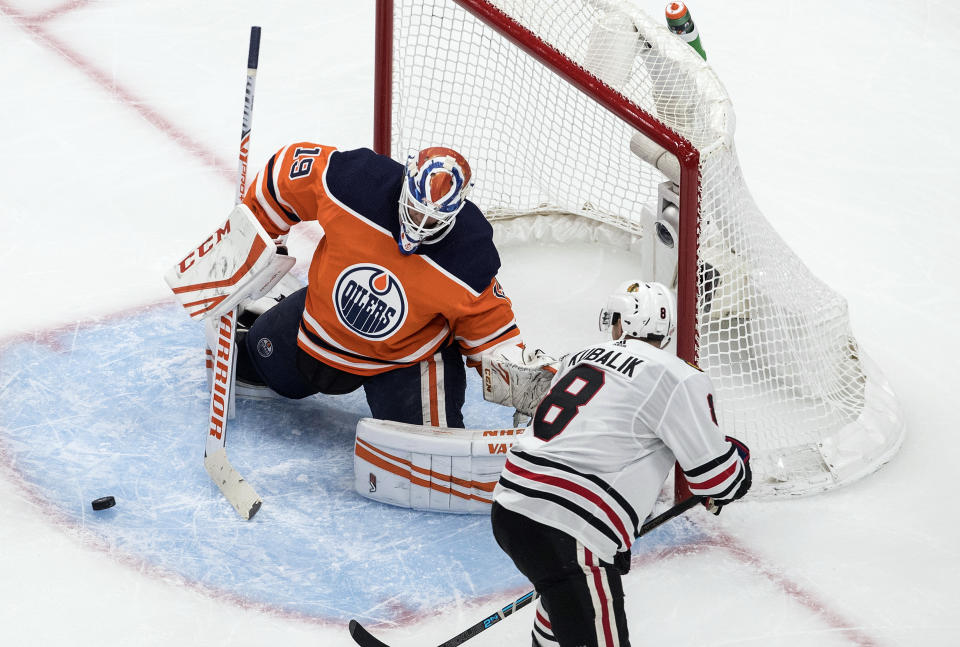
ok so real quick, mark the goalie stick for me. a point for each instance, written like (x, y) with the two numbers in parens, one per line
(365, 639)
(235, 488)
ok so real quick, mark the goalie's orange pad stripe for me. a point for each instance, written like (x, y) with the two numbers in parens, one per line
(214, 302)
(255, 250)
(369, 453)
(370, 457)
(486, 486)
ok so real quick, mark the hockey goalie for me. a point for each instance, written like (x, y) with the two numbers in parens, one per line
(401, 297)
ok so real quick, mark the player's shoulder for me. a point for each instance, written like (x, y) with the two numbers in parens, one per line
(467, 251)
(298, 149)
(366, 183)
(679, 373)
(358, 171)
(677, 367)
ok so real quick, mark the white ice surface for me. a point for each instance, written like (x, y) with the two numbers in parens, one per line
(118, 123)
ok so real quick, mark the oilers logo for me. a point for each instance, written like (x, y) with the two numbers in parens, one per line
(370, 301)
(265, 347)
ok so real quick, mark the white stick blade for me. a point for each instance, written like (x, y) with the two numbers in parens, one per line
(235, 488)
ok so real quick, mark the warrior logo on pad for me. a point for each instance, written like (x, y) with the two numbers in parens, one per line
(370, 301)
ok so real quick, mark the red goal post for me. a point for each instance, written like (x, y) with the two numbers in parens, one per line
(589, 94)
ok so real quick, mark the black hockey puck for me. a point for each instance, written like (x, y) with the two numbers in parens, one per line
(103, 503)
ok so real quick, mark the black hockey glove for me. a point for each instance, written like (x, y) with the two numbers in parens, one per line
(715, 505)
(621, 562)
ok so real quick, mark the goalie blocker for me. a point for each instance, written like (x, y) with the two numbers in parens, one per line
(236, 263)
(430, 468)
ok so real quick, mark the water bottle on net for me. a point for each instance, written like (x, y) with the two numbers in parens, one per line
(681, 23)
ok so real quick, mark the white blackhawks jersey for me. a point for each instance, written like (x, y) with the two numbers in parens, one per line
(605, 436)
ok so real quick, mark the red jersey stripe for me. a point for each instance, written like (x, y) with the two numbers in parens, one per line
(578, 490)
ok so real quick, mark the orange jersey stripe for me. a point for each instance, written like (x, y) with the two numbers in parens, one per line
(432, 391)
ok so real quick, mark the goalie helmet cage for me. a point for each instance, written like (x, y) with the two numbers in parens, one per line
(587, 118)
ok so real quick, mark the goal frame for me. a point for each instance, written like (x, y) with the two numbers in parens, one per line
(775, 340)
(686, 154)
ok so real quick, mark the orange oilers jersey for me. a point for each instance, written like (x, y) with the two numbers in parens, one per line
(370, 308)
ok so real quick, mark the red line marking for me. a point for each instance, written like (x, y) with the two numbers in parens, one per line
(795, 591)
(33, 26)
(804, 597)
(56, 12)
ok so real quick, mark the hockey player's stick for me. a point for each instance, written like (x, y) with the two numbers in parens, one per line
(238, 491)
(253, 58)
(365, 639)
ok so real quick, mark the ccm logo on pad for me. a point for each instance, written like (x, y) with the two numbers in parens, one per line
(204, 247)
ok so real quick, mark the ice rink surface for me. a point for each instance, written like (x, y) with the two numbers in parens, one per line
(119, 125)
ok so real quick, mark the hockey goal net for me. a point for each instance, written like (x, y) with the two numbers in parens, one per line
(589, 119)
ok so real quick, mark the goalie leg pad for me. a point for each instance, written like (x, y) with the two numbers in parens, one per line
(430, 468)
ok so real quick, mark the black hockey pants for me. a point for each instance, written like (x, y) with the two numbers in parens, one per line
(431, 392)
(581, 596)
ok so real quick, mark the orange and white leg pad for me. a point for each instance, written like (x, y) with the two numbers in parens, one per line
(430, 468)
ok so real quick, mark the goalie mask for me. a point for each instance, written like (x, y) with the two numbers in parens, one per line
(644, 310)
(435, 187)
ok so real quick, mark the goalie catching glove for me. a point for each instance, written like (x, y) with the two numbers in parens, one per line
(517, 377)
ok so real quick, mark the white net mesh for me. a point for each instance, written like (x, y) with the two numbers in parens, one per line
(790, 378)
